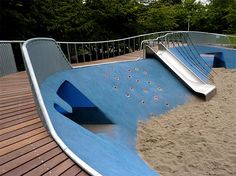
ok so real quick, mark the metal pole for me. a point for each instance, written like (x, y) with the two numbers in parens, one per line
(188, 22)
(68, 52)
(129, 45)
(118, 46)
(134, 45)
(102, 51)
(96, 51)
(113, 49)
(90, 53)
(76, 54)
(83, 52)
(124, 47)
(108, 50)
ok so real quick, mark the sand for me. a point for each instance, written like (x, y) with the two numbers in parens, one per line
(195, 139)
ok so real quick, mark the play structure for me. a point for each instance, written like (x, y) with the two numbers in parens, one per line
(93, 111)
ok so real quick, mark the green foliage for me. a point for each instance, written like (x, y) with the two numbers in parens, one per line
(79, 20)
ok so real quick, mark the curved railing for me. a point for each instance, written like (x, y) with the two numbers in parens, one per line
(196, 37)
(89, 51)
(76, 52)
(185, 43)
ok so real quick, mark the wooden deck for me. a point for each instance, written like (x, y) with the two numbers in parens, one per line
(26, 148)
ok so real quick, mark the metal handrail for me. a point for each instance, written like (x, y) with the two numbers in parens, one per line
(77, 52)
(214, 39)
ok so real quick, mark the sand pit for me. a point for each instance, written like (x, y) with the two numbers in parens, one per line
(198, 138)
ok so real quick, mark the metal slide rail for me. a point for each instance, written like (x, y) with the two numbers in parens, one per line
(185, 43)
(180, 41)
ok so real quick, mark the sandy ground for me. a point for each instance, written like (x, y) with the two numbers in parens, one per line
(195, 139)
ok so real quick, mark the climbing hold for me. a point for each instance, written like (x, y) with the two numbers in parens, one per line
(159, 89)
(117, 78)
(132, 88)
(142, 101)
(129, 70)
(127, 95)
(129, 76)
(145, 90)
(155, 98)
(137, 80)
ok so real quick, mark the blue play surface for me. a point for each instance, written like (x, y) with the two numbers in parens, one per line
(95, 110)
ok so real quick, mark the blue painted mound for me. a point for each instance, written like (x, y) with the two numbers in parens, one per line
(95, 110)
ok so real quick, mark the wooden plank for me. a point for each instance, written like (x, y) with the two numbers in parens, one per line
(21, 125)
(37, 161)
(25, 158)
(24, 150)
(22, 143)
(72, 171)
(22, 91)
(20, 131)
(18, 121)
(18, 138)
(6, 104)
(18, 105)
(16, 109)
(47, 165)
(15, 97)
(82, 173)
(22, 111)
(59, 169)
(13, 118)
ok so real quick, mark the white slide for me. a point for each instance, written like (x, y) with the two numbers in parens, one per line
(181, 70)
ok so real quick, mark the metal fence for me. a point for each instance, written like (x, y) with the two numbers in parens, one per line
(185, 44)
(76, 52)
(193, 37)
(8, 63)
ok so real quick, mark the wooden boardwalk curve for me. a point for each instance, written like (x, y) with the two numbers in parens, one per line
(26, 148)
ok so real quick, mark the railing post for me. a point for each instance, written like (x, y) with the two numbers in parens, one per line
(83, 52)
(108, 50)
(113, 49)
(134, 45)
(102, 51)
(96, 51)
(129, 45)
(76, 54)
(118, 46)
(90, 53)
(68, 52)
(138, 43)
(124, 47)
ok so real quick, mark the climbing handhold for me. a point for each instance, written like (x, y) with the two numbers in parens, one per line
(145, 90)
(155, 98)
